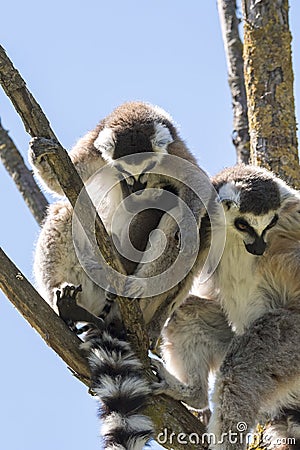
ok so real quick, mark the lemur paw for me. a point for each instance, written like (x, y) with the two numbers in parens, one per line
(71, 312)
(66, 300)
(161, 386)
(40, 147)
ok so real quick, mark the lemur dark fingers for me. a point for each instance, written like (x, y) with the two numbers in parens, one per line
(40, 147)
(71, 312)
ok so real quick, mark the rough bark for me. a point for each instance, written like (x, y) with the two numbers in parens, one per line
(235, 67)
(22, 176)
(269, 85)
(271, 108)
(166, 413)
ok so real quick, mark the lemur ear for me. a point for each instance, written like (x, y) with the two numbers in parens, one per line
(105, 143)
(229, 196)
(286, 192)
(228, 203)
(162, 138)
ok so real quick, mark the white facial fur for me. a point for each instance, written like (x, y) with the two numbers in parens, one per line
(134, 170)
(286, 191)
(230, 192)
(259, 223)
(229, 195)
(161, 139)
(105, 143)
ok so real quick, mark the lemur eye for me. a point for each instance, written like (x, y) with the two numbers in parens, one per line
(241, 224)
(130, 181)
(121, 169)
(272, 223)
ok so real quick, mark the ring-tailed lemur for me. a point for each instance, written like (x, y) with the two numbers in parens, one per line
(133, 152)
(247, 323)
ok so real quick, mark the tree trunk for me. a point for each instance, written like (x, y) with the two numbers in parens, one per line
(269, 86)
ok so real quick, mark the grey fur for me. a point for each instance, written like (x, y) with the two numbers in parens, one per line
(254, 313)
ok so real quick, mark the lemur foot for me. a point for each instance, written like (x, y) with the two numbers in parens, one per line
(40, 147)
(71, 312)
(171, 386)
(162, 386)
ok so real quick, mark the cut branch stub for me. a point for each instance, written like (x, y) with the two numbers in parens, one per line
(22, 176)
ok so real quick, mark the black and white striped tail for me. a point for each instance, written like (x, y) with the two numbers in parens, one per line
(117, 381)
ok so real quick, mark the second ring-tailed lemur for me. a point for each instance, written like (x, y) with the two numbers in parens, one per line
(134, 160)
(247, 323)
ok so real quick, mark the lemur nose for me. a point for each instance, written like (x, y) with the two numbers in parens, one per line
(258, 247)
(138, 187)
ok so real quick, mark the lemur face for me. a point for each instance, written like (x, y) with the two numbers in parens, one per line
(250, 228)
(141, 131)
(252, 199)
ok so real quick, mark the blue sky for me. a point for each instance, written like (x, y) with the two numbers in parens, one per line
(80, 60)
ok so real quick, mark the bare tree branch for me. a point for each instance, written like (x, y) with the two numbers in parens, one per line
(34, 309)
(166, 413)
(22, 176)
(235, 66)
(269, 84)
